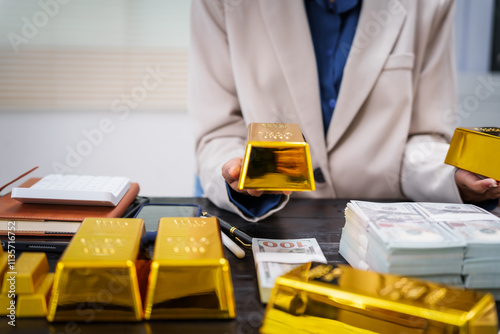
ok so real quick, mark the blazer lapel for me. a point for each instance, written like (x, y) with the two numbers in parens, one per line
(288, 28)
(374, 39)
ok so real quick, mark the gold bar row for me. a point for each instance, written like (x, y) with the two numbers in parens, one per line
(476, 150)
(323, 298)
(105, 275)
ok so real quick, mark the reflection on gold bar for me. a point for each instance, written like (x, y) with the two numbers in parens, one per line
(5, 304)
(25, 281)
(35, 305)
(102, 274)
(189, 278)
(476, 150)
(5, 298)
(276, 159)
(30, 269)
(3, 266)
(323, 298)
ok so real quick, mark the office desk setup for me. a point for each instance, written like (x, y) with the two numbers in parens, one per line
(322, 219)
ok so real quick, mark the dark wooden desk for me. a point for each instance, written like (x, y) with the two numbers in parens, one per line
(321, 219)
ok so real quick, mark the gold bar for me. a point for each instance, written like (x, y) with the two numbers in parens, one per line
(476, 150)
(323, 298)
(4, 257)
(189, 278)
(6, 306)
(102, 275)
(30, 268)
(5, 299)
(276, 159)
(35, 305)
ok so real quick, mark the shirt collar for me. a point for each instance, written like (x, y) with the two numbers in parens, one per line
(338, 6)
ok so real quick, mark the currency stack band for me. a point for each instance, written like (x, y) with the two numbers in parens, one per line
(277, 158)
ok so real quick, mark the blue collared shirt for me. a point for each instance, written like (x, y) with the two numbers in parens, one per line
(332, 25)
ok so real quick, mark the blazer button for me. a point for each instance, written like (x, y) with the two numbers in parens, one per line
(318, 175)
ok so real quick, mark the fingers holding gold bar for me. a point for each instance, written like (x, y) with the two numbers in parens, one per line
(276, 159)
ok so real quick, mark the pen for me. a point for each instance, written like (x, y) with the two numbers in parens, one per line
(230, 244)
(243, 238)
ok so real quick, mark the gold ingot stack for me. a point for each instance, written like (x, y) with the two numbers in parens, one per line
(102, 275)
(276, 159)
(189, 277)
(26, 286)
(319, 298)
(3, 264)
(476, 150)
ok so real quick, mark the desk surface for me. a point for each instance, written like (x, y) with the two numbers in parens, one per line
(322, 219)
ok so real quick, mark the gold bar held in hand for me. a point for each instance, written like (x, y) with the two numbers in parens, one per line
(102, 275)
(190, 277)
(324, 298)
(476, 150)
(277, 158)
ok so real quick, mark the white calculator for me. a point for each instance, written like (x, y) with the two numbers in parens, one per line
(75, 190)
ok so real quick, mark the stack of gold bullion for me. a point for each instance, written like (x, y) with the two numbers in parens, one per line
(105, 270)
(26, 285)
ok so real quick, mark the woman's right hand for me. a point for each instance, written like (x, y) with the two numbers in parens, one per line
(231, 173)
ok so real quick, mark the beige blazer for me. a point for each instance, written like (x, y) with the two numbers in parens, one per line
(253, 61)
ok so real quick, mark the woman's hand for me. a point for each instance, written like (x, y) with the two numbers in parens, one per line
(474, 188)
(231, 173)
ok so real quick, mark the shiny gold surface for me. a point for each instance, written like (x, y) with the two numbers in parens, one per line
(321, 298)
(189, 278)
(3, 266)
(26, 287)
(35, 305)
(30, 268)
(276, 159)
(476, 151)
(102, 275)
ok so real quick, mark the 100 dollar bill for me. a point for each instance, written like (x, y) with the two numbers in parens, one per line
(275, 257)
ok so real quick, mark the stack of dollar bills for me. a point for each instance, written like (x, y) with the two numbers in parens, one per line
(456, 244)
(276, 257)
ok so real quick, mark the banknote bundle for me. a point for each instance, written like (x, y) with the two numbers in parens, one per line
(275, 257)
(456, 244)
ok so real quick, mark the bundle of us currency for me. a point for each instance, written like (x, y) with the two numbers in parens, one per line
(275, 257)
(481, 266)
(457, 244)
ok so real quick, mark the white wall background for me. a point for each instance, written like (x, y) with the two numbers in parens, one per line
(152, 146)
(155, 147)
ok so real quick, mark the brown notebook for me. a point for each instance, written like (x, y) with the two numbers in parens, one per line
(13, 209)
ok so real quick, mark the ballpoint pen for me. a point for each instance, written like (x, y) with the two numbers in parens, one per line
(244, 239)
(230, 244)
